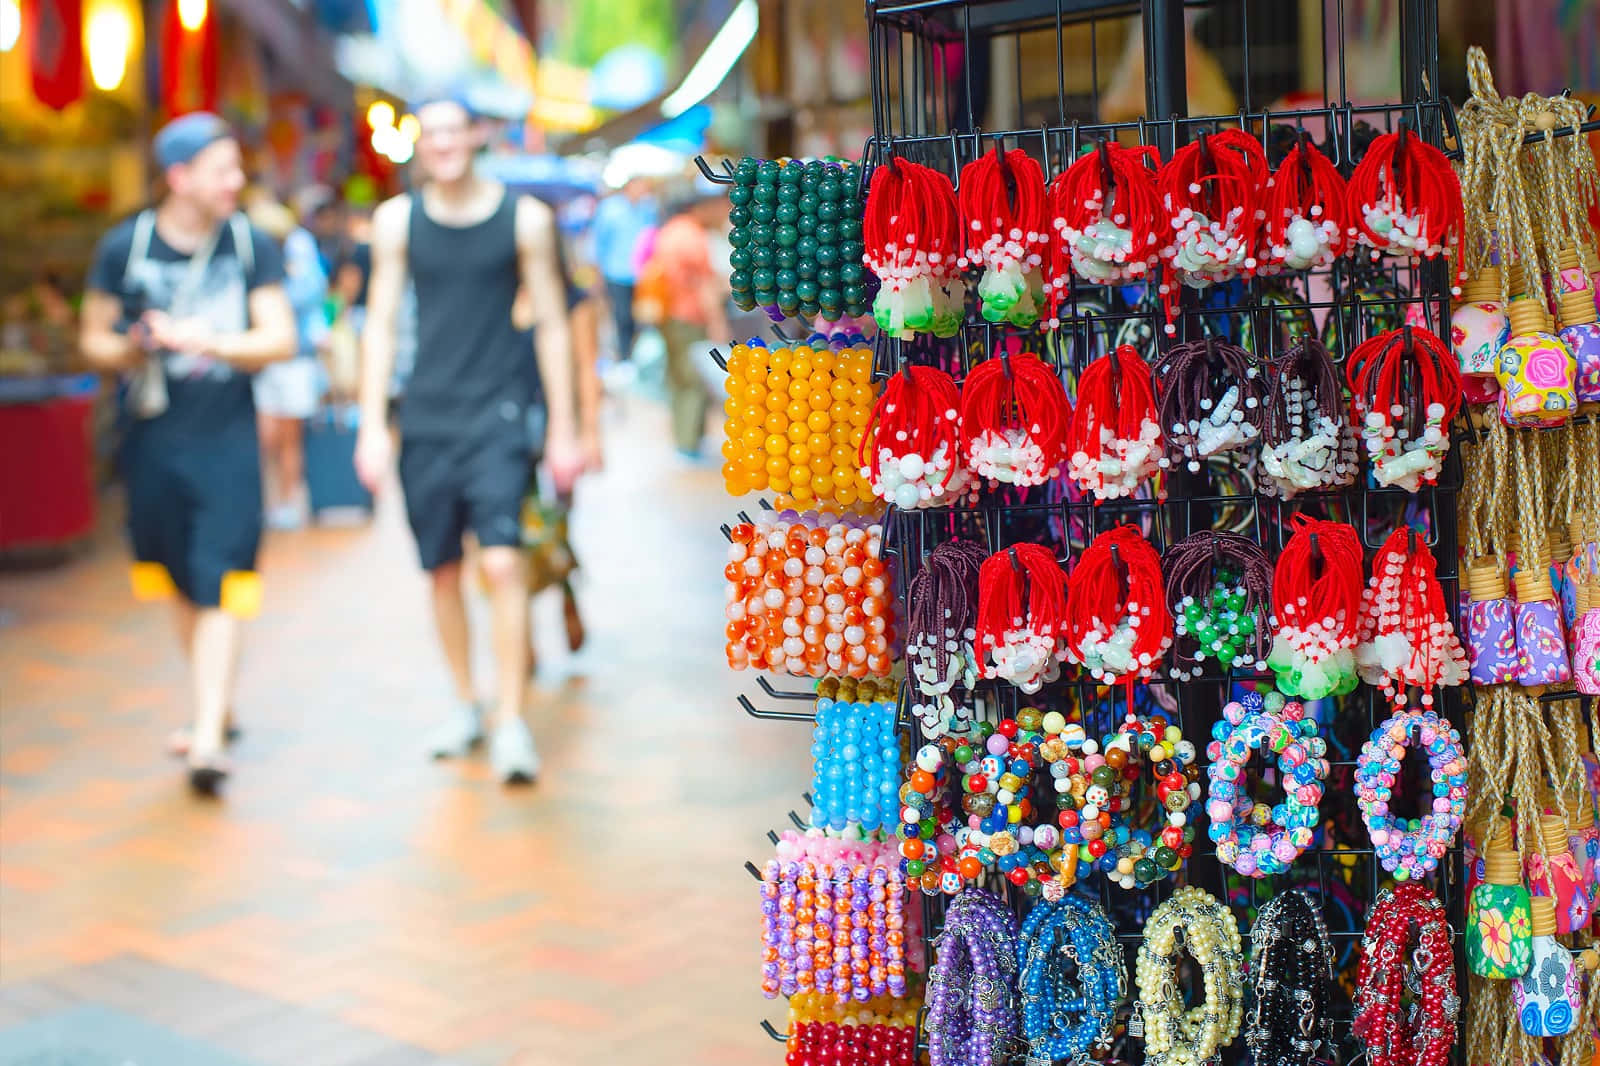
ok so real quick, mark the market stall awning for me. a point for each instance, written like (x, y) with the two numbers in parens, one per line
(301, 49)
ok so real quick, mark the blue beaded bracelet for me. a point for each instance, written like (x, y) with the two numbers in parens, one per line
(1062, 1017)
(856, 760)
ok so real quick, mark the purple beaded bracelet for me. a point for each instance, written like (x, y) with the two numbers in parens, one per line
(971, 995)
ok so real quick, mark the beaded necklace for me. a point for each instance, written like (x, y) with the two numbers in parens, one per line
(941, 625)
(1114, 442)
(1405, 388)
(972, 1011)
(1306, 438)
(1291, 978)
(1073, 978)
(912, 239)
(1405, 198)
(1022, 611)
(1213, 399)
(1014, 419)
(1219, 586)
(1305, 206)
(1173, 1036)
(1105, 211)
(1316, 600)
(1002, 201)
(910, 451)
(1395, 1035)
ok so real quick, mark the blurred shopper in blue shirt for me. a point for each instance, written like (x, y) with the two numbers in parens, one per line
(620, 220)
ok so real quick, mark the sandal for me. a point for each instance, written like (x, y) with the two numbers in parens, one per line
(575, 632)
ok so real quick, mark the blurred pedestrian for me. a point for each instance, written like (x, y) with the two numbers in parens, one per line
(619, 221)
(188, 299)
(695, 306)
(322, 214)
(471, 417)
(289, 392)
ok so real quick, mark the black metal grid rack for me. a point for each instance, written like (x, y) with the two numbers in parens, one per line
(933, 85)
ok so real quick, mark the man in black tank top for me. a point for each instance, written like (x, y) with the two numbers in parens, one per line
(478, 406)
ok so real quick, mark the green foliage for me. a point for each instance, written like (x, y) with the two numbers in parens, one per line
(595, 27)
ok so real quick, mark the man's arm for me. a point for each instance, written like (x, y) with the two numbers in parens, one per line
(541, 276)
(102, 344)
(385, 289)
(586, 353)
(271, 337)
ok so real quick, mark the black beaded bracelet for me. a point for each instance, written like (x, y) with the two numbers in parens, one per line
(1291, 978)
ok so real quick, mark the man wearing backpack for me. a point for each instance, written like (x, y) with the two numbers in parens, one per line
(187, 300)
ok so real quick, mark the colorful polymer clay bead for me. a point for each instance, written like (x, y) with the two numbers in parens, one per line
(1253, 838)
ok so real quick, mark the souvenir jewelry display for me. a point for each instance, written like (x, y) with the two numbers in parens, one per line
(911, 452)
(1022, 612)
(971, 995)
(1073, 978)
(1256, 839)
(913, 244)
(1213, 400)
(1410, 848)
(1316, 600)
(1195, 921)
(1211, 191)
(1395, 959)
(1307, 442)
(1002, 202)
(1405, 388)
(1114, 442)
(1145, 856)
(941, 626)
(808, 595)
(794, 420)
(1119, 626)
(1219, 586)
(796, 239)
(1291, 981)
(856, 759)
(1014, 419)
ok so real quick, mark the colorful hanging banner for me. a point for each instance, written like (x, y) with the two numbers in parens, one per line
(188, 62)
(55, 48)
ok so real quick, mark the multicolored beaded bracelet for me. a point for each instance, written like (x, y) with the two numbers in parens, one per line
(1257, 840)
(1073, 978)
(1149, 855)
(1090, 796)
(972, 1004)
(1411, 848)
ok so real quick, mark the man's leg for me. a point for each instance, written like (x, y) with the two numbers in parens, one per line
(620, 295)
(455, 632)
(291, 459)
(183, 618)
(506, 573)
(687, 391)
(267, 428)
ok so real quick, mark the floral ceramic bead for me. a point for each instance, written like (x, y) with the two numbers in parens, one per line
(1477, 333)
(1536, 372)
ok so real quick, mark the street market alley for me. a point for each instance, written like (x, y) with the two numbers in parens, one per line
(351, 903)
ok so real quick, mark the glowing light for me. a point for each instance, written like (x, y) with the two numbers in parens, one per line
(391, 143)
(717, 60)
(108, 39)
(410, 128)
(10, 24)
(380, 116)
(192, 14)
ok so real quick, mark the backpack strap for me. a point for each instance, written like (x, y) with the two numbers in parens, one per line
(144, 227)
(243, 246)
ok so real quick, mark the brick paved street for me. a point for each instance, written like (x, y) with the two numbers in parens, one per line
(352, 904)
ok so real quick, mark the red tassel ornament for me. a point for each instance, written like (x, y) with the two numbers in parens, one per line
(1306, 227)
(1014, 418)
(1406, 636)
(1405, 387)
(911, 451)
(1114, 441)
(1119, 626)
(1002, 204)
(1212, 192)
(1022, 611)
(912, 237)
(1106, 214)
(1316, 609)
(1405, 199)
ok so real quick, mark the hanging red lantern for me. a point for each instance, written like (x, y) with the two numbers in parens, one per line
(189, 47)
(55, 48)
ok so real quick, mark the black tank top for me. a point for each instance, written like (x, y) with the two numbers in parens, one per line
(473, 369)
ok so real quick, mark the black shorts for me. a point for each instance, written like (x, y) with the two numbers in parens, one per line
(476, 483)
(194, 507)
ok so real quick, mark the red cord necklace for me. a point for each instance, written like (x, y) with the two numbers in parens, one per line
(1014, 417)
(1003, 226)
(913, 239)
(1022, 610)
(1106, 216)
(911, 452)
(1305, 211)
(1406, 635)
(1394, 1035)
(1405, 388)
(1405, 199)
(1211, 190)
(1119, 626)
(1316, 605)
(1114, 441)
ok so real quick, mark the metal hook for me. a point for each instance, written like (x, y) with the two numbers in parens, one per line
(1008, 175)
(1106, 175)
(1121, 569)
(1005, 364)
(712, 175)
(755, 873)
(1204, 141)
(1016, 562)
(905, 370)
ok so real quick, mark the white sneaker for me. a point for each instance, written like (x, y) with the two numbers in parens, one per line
(512, 754)
(458, 733)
